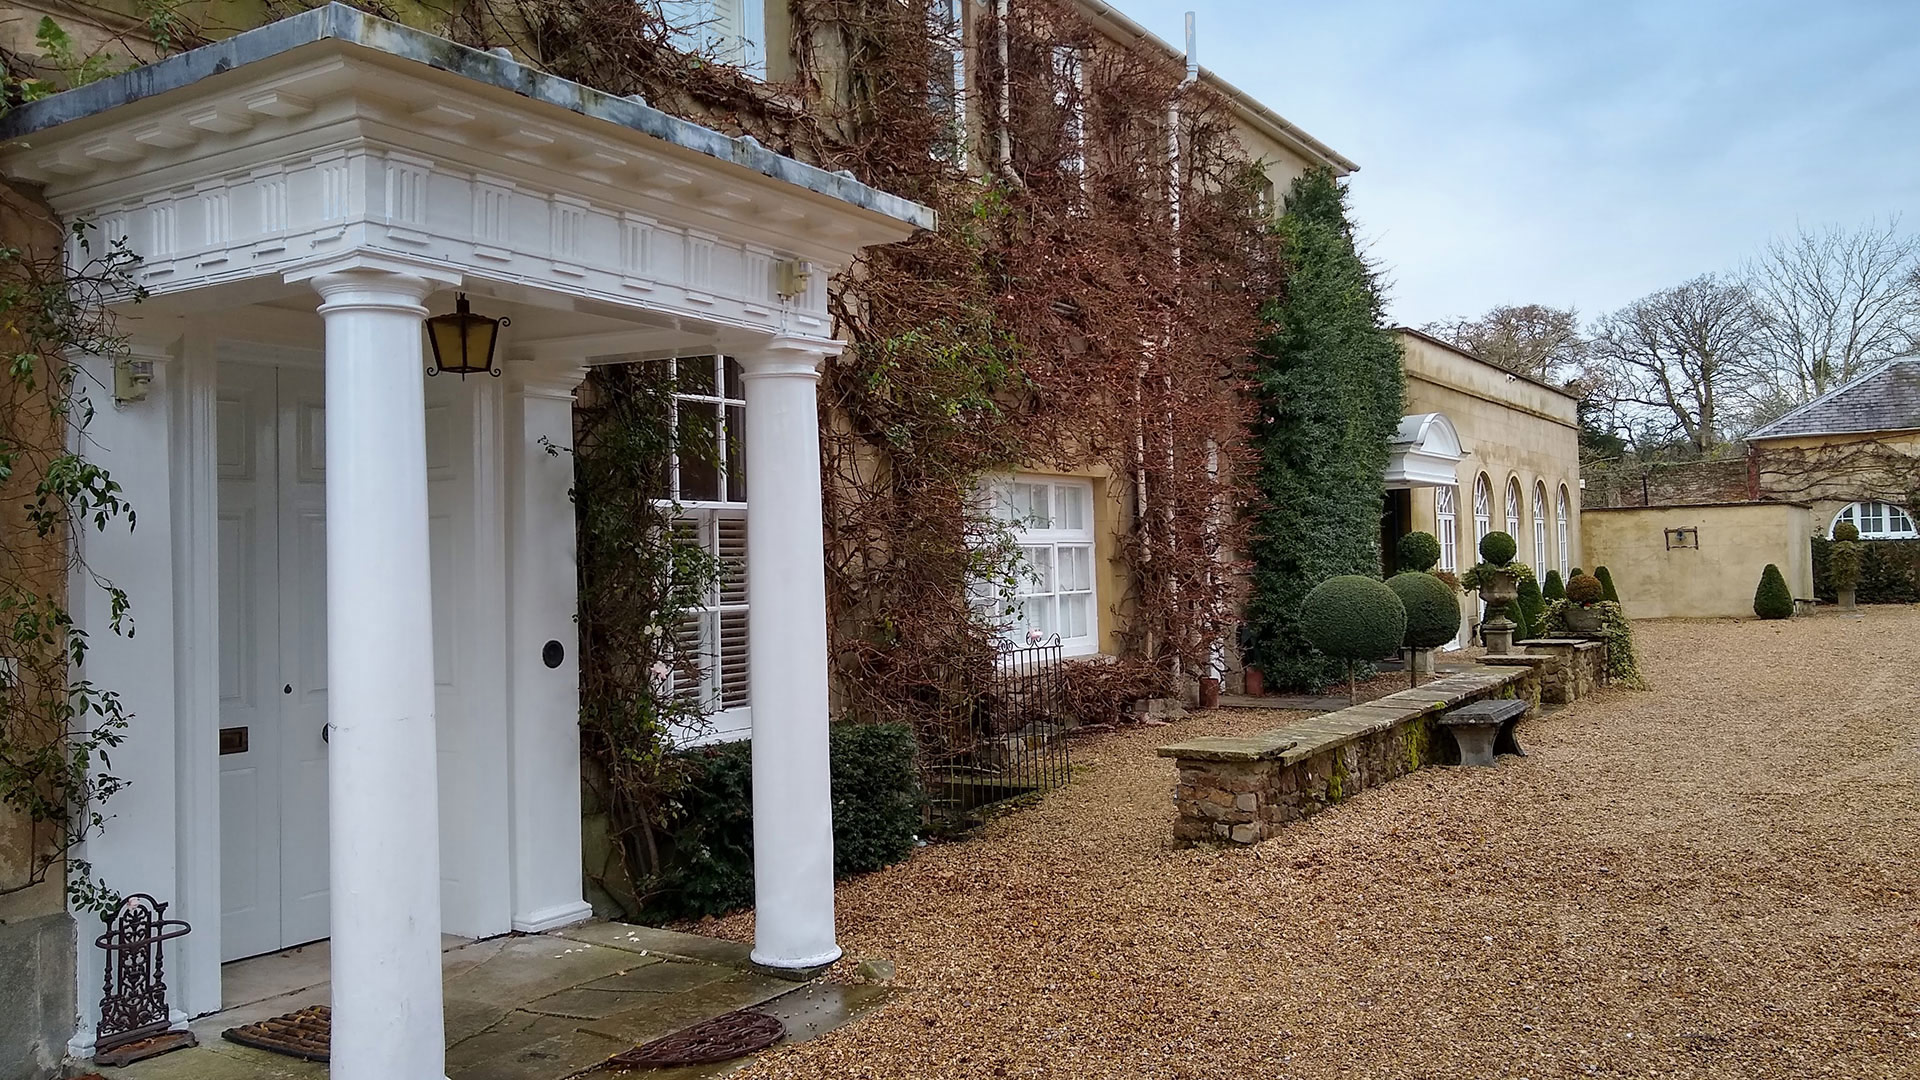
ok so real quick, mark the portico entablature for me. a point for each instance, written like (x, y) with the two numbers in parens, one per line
(363, 137)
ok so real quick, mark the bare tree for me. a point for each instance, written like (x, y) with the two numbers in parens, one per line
(1829, 303)
(1532, 339)
(1670, 359)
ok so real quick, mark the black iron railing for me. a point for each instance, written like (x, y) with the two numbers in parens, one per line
(1010, 741)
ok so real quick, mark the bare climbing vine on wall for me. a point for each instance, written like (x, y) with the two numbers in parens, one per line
(1086, 304)
(57, 728)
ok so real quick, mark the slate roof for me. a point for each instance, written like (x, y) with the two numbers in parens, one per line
(1885, 398)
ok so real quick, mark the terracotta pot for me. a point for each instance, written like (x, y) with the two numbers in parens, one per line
(1256, 682)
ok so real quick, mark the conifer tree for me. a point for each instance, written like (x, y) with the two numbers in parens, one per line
(1330, 394)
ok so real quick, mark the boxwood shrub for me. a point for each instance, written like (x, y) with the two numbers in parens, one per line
(708, 869)
(1772, 599)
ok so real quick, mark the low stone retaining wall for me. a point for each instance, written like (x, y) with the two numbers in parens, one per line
(1569, 668)
(1245, 789)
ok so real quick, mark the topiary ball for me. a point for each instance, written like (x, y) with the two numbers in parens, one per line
(1772, 600)
(1605, 578)
(1553, 589)
(1418, 551)
(1353, 618)
(1498, 548)
(1846, 530)
(1584, 589)
(1433, 609)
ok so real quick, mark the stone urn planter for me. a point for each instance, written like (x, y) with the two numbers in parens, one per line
(1500, 589)
(1584, 621)
(1845, 596)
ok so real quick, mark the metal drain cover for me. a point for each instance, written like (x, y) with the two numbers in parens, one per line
(723, 1038)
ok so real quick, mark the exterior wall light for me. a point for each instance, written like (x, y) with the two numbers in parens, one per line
(463, 342)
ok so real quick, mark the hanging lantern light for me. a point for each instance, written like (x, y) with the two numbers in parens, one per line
(463, 342)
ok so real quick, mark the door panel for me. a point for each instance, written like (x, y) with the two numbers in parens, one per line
(248, 520)
(303, 655)
(272, 561)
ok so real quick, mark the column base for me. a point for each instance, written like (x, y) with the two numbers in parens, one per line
(553, 918)
(803, 970)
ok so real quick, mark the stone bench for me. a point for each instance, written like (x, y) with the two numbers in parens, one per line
(1485, 728)
(1244, 789)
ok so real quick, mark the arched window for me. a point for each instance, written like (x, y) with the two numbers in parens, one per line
(1876, 521)
(1560, 513)
(1513, 509)
(1539, 527)
(1444, 515)
(1482, 509)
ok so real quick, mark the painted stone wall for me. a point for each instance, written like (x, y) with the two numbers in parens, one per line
(1510, 427)
(1716, 579)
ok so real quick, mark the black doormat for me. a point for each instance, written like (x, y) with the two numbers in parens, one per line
(723, 1038)
(305, 1034)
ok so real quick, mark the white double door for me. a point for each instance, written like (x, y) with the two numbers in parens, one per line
(272, 537)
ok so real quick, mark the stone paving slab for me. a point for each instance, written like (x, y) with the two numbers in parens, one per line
(545, 1006)
(652, 941)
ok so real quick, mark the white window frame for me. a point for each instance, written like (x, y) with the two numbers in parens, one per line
(1054, 538)
(1876, 520)
(1540, 526)
(1482, 512)
(1446, 525)
(1514, 497)
(1070, 69)
(951, 98)
(1566, 553)
(718, 527)
(732, 31)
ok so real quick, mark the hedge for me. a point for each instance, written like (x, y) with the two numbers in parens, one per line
(876, 818)
(1889, 571)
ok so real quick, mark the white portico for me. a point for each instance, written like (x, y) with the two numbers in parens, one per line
(354, 685)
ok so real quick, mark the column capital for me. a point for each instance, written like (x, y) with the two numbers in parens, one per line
(786, 355)
(363, 290)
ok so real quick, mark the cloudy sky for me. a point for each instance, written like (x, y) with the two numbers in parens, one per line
(1583, 153)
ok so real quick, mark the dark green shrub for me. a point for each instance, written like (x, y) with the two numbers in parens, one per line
(1846, 530)
(1585, 590)
(1574, 573)
(1889, 571)
(1553, 589)
(1351, 617)
(1532, 604)
(1605, 578)
(1418, 551)
(876, 796)
(1772, 600)
(708, 869)
(1433, 609)
(1522, 627)
(1498, 548)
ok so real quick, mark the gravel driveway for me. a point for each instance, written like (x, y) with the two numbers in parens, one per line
(1717, 878)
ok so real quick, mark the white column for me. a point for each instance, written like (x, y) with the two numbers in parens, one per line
(383, 791)
(787, 658)
(543, 663)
